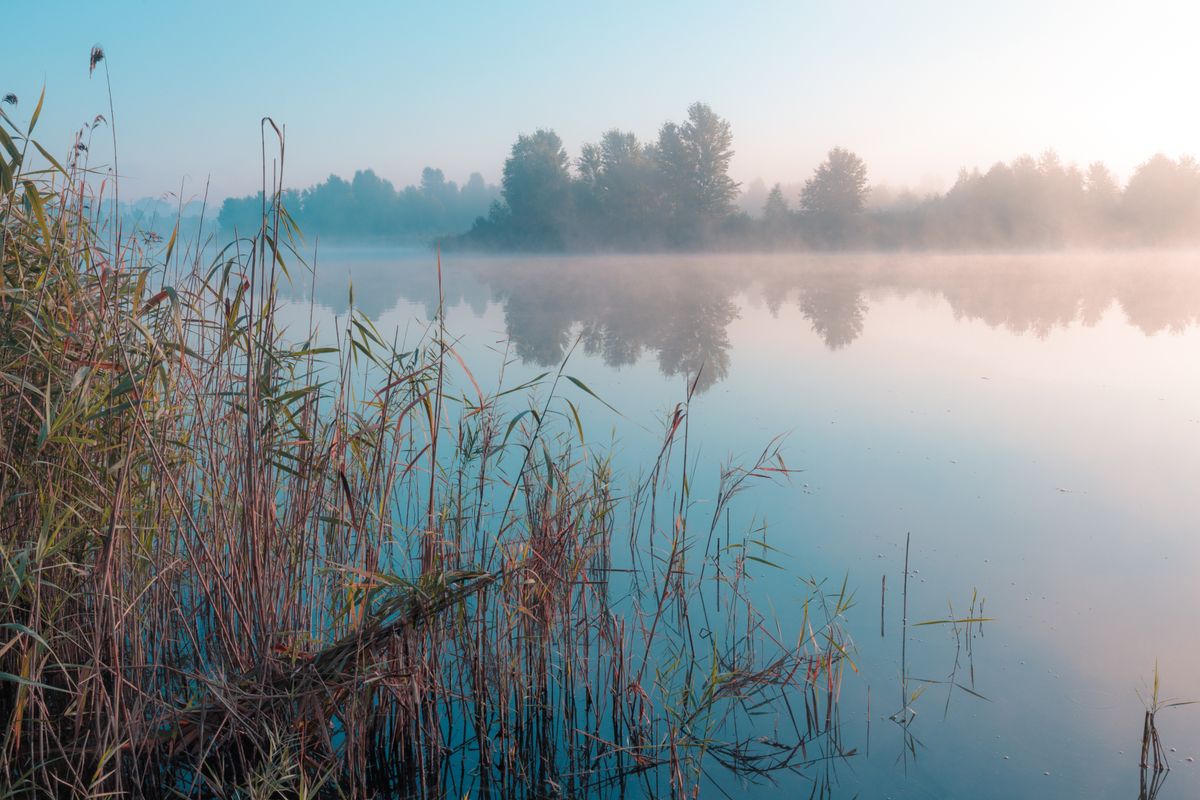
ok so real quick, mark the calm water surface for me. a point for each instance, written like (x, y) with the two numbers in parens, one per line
(1032, 421)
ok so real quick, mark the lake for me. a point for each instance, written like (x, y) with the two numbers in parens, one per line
(1029, 423)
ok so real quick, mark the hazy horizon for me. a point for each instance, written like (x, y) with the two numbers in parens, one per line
(918, 92)
(599, 401)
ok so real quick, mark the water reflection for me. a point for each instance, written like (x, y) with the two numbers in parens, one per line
(679, 309)
(836, 309)
(1068, 474)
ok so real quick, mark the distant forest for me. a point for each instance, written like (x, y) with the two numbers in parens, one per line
(368, 206)
(675, 193)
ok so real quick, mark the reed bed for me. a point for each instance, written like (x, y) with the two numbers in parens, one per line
(234, 563)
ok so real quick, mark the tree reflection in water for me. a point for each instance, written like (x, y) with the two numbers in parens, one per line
(679, 308)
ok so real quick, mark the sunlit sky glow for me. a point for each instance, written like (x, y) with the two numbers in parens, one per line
(918, 88)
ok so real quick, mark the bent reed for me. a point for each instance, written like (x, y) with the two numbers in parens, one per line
(236, 564)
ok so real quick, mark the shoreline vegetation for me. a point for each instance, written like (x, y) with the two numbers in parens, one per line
(674, 193)
(237, 564)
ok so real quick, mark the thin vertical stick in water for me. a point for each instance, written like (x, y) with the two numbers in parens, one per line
(904, 613)
(904, 639)
(868, 752)
(882, 601)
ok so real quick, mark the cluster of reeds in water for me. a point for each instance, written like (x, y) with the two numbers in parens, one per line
(236, 564)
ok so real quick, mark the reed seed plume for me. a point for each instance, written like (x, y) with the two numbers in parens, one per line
(97, 55)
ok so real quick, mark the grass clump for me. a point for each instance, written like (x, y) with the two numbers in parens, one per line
(236, 564)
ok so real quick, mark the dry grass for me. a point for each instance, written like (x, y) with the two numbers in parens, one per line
(230, 569)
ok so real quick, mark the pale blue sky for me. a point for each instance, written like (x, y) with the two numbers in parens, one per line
(917, 88)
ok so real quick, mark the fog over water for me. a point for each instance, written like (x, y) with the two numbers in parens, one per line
(946, 254)
(1032, 421)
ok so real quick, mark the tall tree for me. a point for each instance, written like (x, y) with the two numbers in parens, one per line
(626, 189)
(589, 164)
(1162, 199)
(1099, 183)
(838, 186)
(710, 140)
(536, 187)
(833, 197)
(693, 161)
(775, 209)
(776, 216)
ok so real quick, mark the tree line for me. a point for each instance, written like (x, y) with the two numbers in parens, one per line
(675, 193)
(368, 206)
(620, 193)
(1028, 202)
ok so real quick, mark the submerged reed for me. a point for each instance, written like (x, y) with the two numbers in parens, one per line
(236, 564)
